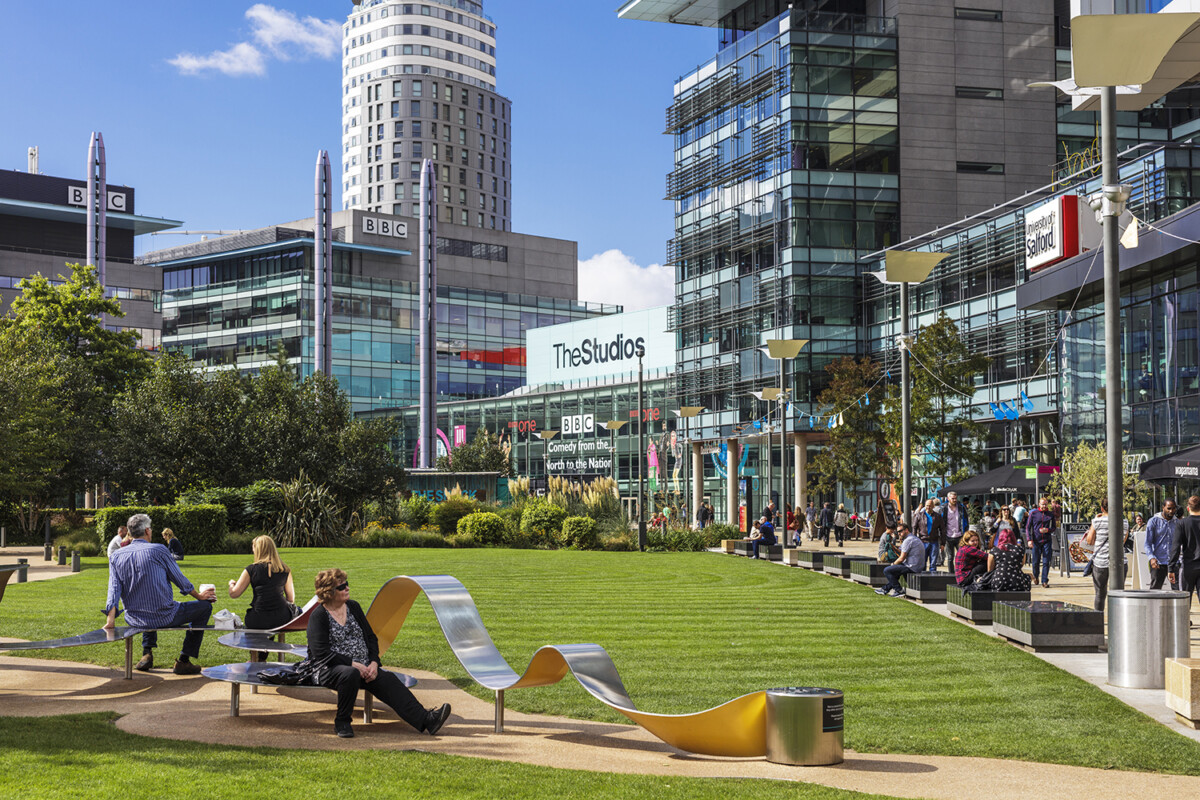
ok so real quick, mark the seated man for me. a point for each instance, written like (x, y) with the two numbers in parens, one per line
(141, 574)
(912, 558)
(766, 536)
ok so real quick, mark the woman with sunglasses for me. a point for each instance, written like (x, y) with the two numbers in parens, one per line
(339, 627)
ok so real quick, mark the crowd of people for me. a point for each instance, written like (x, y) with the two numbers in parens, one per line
(141, 576)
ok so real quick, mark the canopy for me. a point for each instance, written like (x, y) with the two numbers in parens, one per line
(1180, 465)
(1015, 478)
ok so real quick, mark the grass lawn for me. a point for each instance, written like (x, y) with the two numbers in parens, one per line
(690, 631)
(86, 756)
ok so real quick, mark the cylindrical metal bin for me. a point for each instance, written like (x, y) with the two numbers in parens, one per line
(804, 726)
(75, 565)
(1144, 629)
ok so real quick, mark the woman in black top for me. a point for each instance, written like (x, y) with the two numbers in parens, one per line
(338, 630)
(271, 580)
(173, 544)
(1005, 564)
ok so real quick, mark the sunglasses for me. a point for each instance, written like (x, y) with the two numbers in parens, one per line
(341, 587)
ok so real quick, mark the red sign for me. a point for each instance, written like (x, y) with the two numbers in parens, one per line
(648, 414)
(523, 425)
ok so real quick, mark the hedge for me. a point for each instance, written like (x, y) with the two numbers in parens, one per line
(542, 522)
(579, 533)
(485, 527)
(201, 528)
(250, 508)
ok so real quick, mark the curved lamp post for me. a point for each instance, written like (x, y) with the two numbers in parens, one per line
(613, 426)
(781, 350)
(545, 436)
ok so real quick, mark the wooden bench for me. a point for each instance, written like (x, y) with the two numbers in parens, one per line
(839, 565)
(976, 607)
(1049, 625)
(247, 674)
(927, 587)
(869, 572)
(1183, 690)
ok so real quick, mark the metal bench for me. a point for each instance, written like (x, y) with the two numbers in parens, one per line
(8, 570)
(100, 636)
(247, 674)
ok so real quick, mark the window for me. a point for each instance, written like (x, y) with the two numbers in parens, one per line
(980, 168)
(416, 129)
(396, 173)
(399, 132)
(395, 108)
(462, 177)
(415, 108)
(979, 14)
(399, 190)
(462, 197)
(398, 209)
(479, 119)
(464, 218)
(416, 88)
(978, 93)
(414, 170)
(417, 150)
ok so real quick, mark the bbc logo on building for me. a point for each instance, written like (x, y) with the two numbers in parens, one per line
(576, 424)
(384, 227)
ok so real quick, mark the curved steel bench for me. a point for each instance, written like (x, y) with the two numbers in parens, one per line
(736, 728)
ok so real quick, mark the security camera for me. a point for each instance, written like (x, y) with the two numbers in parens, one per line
(641, 351)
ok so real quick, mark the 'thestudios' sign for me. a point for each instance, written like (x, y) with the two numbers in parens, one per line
(1052, 232)
(599, 347)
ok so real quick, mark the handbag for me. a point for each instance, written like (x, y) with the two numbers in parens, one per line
(308, 672)
(226, 620)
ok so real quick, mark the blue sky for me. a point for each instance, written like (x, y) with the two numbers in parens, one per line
(219, 151)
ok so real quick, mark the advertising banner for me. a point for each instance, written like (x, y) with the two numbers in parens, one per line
(599, 347)
(579, 457)
(1076, 553)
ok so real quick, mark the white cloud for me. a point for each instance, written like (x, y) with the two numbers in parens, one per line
(613, 277)
(277, 34)
(241, 59)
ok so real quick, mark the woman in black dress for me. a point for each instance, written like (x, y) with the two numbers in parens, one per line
(338, 630)
(271, 580)
(1005, 564)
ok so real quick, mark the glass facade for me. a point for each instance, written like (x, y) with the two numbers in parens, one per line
(786, 173)
(237, 309)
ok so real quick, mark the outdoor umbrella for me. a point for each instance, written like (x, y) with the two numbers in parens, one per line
(1180, 465)
(1008, 479)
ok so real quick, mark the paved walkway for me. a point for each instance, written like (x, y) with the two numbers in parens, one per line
(39, 568)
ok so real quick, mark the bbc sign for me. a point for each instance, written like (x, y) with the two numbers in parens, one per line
(384, 227)
(578, 424)
(78, 196)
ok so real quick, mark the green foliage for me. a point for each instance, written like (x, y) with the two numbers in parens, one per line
(310, 516)
(416, 511)
(719, 530)
(181, 428)
(447, 513)
(947, 443)
(676, 540)
(579, 533)
(1083, 482)
(239, 543)
(251, 508)
(484, 453)
(542, 521)
(398, 537)
(485, 527)
(461, 540)
(855, 451)
(201, 528)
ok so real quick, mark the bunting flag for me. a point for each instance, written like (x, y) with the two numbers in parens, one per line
(1026, 402)
(996, 412)
(812, 422)
(1129, 239)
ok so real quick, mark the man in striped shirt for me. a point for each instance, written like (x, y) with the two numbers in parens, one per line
(141, 575)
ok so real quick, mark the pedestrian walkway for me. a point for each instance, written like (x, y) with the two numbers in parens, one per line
(39, 568)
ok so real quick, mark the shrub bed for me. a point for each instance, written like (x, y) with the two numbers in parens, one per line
(579, 533)
(201, 528)
(484, 527)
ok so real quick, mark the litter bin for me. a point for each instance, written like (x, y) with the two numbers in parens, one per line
(1144, 629)
(804, 726)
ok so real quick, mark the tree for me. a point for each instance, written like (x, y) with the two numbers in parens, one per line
(856, 451)
(943, 383)
(483, 454)
(69, 317)
(1083, 481)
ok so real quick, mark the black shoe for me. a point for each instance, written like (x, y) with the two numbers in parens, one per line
(343, 730)
(435, 719)
(186, 668)
(146, 664)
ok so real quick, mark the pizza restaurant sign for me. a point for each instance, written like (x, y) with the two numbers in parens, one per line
(1052, 231)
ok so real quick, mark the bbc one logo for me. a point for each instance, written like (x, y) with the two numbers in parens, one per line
(593, 351)
(384, 227)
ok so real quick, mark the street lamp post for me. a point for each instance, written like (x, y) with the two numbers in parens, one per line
(545, 436)
(686, 413)
(641, 457)
(781, 350)
(613, 426)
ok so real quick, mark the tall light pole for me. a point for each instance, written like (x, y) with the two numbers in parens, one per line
(781, 350)
(905, 267)
(546, 436)
(641, 458)
(1126, 51)
(613, 426)
(686, 413)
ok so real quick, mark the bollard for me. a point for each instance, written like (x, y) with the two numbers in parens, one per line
(75, 566)
(23, 574)
(48, 552)
(3, 536)
(62, 556)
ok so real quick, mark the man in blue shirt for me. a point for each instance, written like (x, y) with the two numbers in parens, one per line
(912, 559)
(1040, 529)
(767, 537)
(1159, 533)
(141, 575)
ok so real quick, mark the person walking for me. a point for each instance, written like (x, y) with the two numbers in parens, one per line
(931, 530)
(810, 516)
(1185, 550)
(1098, 537)
(826, 522)
(1040, 528)
(1160, 535)
(955, 523)
(840, 520)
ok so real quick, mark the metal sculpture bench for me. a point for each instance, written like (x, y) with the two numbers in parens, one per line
(273, 640)
(101, 636)
(8, 570)
(247, 674)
